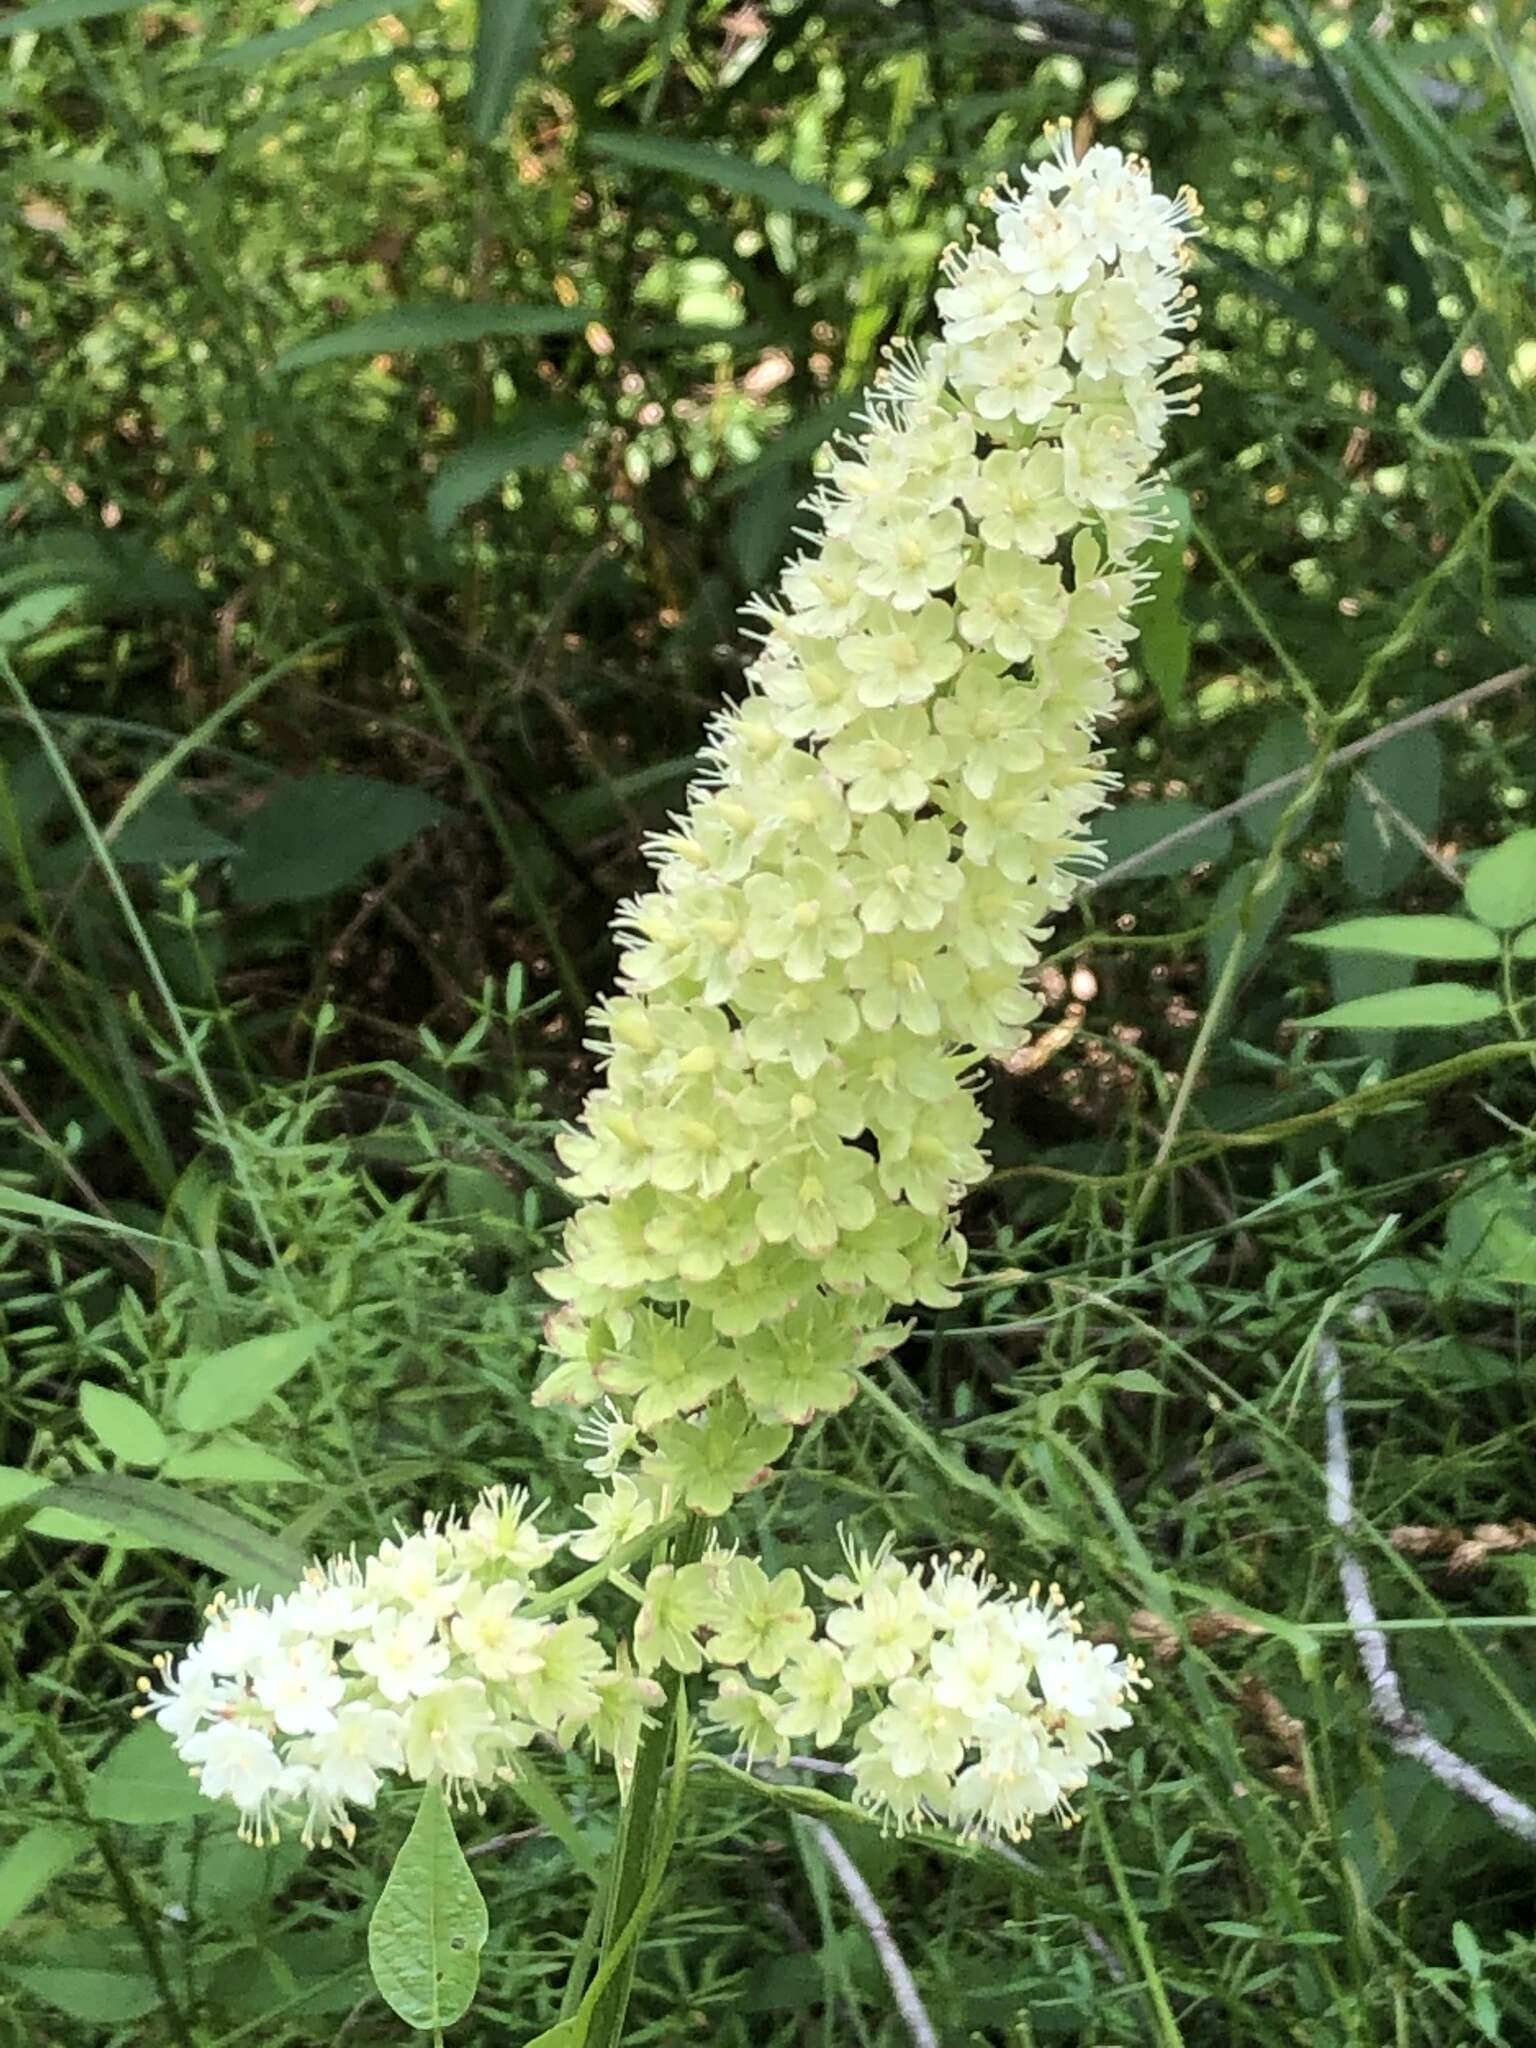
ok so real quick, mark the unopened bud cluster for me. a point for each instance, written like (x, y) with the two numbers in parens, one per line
(882, 830)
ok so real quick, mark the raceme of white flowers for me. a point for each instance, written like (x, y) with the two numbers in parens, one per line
(435, 1659)
(839, 926)
(869, 859)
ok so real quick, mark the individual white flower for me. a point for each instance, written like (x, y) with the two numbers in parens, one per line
(403, 1655)
(300, 1687)
(502, 1529)
(330, 1602)
(345, 1762)
(236, 1761)
(885, 1632)
(416, 1572)
(1046, 246)
(617, 1516)
(240, 1635)
(190, 1692)
(493, 1638)
(450, 1732)
(910, 553)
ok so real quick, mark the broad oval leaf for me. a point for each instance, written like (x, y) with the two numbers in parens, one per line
(448, 324)
(142, 1782)
(121, 1426)
(700, 163)
(103, 1992)
(232, 1384)
(314, 836)
(430, 1924)
(29, 1866)
(1403, 776)
(1407, 938)
(1501, 884)
(1132, 837)
(1429, 1005)
(1281, 749)
(538, 438)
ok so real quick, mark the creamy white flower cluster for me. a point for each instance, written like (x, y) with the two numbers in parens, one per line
(972, 1703)
(424, 1660)
(868, 861)
(439, 1658)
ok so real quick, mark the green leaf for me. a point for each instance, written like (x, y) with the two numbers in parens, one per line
(84, 174)
(1407, 938)
(538, 437)
(61, 14)
(506, 41)
(430, 1924)
(230, 1385)
(99, 1993)
(1491, 1231)
(35, 612)
(314, 836)
(1163, 638)
(1501, 884)
(325, 21)
(1524, 947)
(1280, 749)
(447, 323)
(166, 831)
(1127, 832)
(121, 1426)
(1407, 773)
(235, 1464)
(144, 1783)
(1231, 923)
(1429, 1005)
(107, 1507)
(699, 162)
(29, 1866)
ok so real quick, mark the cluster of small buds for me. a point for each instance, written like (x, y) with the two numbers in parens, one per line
(424, 1660)
(881, 832)
(971, 1703)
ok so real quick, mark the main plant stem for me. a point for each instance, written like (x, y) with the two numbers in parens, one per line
(640, 1832)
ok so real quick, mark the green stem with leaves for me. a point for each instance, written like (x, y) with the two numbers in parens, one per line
(641, 1834)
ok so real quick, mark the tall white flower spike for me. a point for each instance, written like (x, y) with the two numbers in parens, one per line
(869, 858)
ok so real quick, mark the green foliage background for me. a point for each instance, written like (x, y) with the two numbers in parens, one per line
(396, 408)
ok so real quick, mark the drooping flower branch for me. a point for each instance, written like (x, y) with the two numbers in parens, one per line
(882, 829)
(440, 1657)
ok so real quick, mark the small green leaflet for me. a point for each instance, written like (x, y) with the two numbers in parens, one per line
(430, 1924)
(1132, 837)
(506, 43)
(317, 833)
(121, 1426)
(450, 323)
(1429, 1005)
(233, 1384)
(1501, 883)
(699, 163)
(1407, 938)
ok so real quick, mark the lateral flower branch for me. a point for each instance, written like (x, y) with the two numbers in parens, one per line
(767, 1181)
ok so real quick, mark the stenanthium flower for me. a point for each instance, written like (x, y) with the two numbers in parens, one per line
(421, 1660)
(962, 1701)
(880, 833)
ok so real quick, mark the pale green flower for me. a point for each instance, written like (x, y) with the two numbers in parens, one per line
(680, 1603)
(807, 1195)
(903, 875)
(706, 1461)
(902, 657)
(753, 1717)
(817, 1694)
(1010, 604)
(563, 1689)
(803, 918)
(669, 1365)
(766, 1620)
(889, 762)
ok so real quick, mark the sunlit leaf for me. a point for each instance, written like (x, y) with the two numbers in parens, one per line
(121, 1426)
(230, 1385)
(430, 1924)
(1429, 1005)
(1407, 938)
(1501, 883)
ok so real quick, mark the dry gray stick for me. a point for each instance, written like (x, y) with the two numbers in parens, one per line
(1428, 714)
(1403, 1729)
(867, 1909)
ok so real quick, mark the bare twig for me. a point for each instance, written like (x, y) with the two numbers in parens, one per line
(1403, 1730)
(866, 1908)
(1428, 714)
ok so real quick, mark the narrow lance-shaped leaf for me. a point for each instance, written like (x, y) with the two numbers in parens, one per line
(452, 323)
(1407, 938)
(699, 163)
(1429, 1005)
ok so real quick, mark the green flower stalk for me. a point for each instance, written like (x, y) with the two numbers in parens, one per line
(878, 838)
